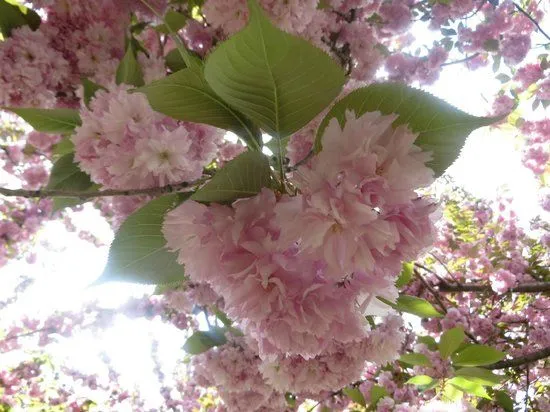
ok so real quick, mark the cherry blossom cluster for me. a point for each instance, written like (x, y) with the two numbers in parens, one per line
(123, 143)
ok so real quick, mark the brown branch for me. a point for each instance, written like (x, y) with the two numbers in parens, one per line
(535, 23)
(521, 360)
(43, 193)
(534, 287)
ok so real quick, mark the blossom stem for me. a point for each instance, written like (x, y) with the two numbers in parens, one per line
(45, 193)
(521, 360)
(533, 287)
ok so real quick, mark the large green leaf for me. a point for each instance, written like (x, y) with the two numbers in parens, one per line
(243, 176)
(504, 401)
(90, 88)
(450, 341)
(415, 359)
(201, 341)
(477, 355)
(278, 80)
(185, 95)
(479, 375)
(417, 306)
(13, 14)
(138, 253)
(442, 129)
(129, 71)
(57, 121)
(468, 386)
(377, 392)
(174, 21)
(355, 395)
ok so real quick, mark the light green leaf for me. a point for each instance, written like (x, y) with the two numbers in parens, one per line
(138, 253)
(477, 355)
(468, 386)
(479, 375)
(428, 341)
(278, 80)
(442, 128)
(13, 15)
(243, 176)
(415, 359)
(355, 395)
(174, 21)
(56, 121)
(201, 341)
(450, 341)
(417, 306)
(406, 275)
(89, 90)
(451, 393)
(185, 95)
(420, 380)
(167, 287)
(504, 401)
(376, 393)
(129, 71)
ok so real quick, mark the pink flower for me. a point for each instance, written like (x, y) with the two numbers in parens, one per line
(502, 281)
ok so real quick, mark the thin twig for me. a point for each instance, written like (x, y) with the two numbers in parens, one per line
(154, 191)
(464, 60)
(445, 267)
(431, 289)
(535, 23)
(534, 287)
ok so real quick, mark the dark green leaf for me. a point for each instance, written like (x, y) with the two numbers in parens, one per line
(468, 386)
(186, 96)
(66, 175)
(479, 375)
(504, 401)
(129, 70)
(450, 341)
(13, 15)
(477, 355)
(415, 359)
(442, 129)
(201, 341)
(174, 61)
(278, 80)
(138, 253)
(56, 121)
(243, 176)
(428, 341)
(377, 392)
(89, 90)
(405, 276)
(417, 306)
(63, 147)
(174, 21)
(355, 395)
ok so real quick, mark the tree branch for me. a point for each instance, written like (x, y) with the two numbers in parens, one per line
(523, 288)
(464, 60)
(43, 193)
(535, 23)
(521, 360)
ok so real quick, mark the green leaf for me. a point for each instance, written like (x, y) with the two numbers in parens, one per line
(185, 95)
(377, 392)
(243, 176)
(479, 375)
(405, 276)
(477, 355)
(63, 147)
(415, 359)
(201, 341)
(417, 306)
(138, 253)
(450, 341)
(442, 129)
(504, 400)
(129, 70)
(167, 287)
(468, 386)
(420, 380)
(355, 395)
(66, 175)
(174, 61)
(428, 341)
(89, 90)
(290, 399)
(56, 121)
(451, 393)
(13, 15)
(174, 21)
(278, 80)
